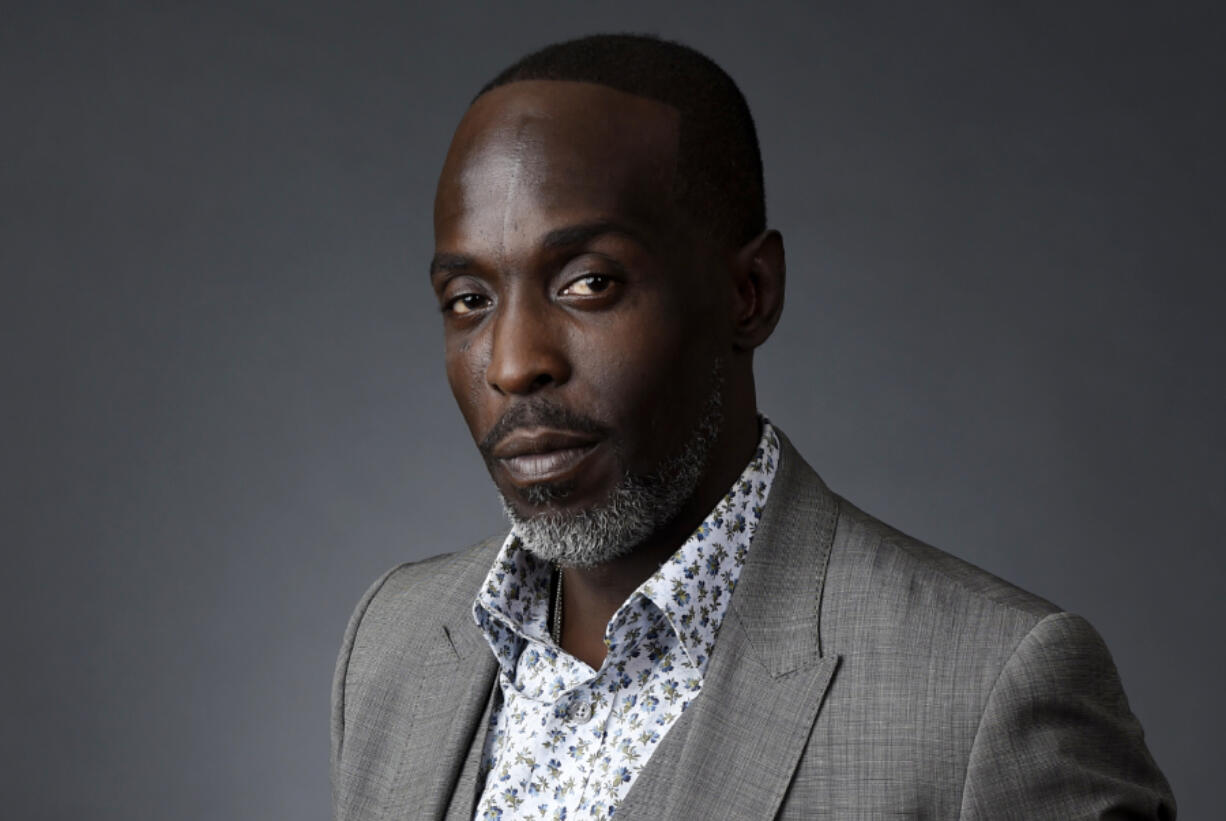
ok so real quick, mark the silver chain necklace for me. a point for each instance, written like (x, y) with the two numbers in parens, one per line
(555, 626)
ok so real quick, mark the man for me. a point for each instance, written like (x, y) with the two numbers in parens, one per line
(684, 622)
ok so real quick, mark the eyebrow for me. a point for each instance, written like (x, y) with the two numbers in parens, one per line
(440, 263)
(558, 239)
(586, 232)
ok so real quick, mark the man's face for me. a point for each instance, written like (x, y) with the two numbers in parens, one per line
(583, 339)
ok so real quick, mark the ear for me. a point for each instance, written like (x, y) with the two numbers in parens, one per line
(759, 272)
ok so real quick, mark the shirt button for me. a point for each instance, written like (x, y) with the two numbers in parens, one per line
(580, 711)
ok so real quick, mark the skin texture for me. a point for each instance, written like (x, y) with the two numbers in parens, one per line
(584, 317)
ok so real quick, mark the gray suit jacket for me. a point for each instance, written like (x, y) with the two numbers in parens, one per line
(858, 674)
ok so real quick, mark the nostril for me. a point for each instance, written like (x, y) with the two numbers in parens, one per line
(541, 380)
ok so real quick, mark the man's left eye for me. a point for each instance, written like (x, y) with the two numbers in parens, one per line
(589, 285)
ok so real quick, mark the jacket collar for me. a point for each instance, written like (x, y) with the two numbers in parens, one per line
(779, 597)
(733, 752)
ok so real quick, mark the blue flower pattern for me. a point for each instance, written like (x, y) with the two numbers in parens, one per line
(566, 741)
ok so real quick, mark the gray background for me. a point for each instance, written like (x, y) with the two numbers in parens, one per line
(224, 411)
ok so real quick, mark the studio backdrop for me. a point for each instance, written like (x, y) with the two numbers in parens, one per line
(224, 409)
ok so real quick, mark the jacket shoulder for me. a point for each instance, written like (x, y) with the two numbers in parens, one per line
(874, 566)
(1021, 698)
(412, 595)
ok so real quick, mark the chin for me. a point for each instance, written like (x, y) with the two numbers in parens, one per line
(582, 537)
(589, 534)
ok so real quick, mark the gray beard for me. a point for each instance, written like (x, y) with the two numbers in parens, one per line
(636, 507)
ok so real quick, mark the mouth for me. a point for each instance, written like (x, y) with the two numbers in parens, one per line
(541, 455)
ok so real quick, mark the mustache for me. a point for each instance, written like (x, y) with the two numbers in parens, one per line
(539, 413)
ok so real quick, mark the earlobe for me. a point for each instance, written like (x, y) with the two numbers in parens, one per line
(760, 274)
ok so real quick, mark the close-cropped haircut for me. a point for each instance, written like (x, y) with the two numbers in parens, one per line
(719, 166)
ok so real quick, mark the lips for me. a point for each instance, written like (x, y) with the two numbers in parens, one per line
(540, 455)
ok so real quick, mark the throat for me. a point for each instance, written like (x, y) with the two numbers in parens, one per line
(584, 600)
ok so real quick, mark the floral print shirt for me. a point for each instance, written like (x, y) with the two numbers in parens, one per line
(567, 741)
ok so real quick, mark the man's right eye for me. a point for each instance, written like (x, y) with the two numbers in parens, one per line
(465, 304)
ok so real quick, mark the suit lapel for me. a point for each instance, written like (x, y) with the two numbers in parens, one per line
(733, 752)
(468, 788)
(456, 683)
(441, 674)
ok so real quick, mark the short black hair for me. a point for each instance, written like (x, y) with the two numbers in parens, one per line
(719, 166)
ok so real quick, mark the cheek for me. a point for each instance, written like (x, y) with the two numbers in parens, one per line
(643, 374)
(465, 375)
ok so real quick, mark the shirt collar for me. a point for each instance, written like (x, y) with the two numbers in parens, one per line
(513, 604)
(691, 589)
(694, 586)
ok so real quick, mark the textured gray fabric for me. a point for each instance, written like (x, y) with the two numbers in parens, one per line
(859, 674)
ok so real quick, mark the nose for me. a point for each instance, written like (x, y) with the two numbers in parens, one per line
(527, 352)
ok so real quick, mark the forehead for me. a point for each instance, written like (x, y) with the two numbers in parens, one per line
(549, 151)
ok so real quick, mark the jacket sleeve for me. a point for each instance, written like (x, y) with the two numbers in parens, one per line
(1057, 739)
